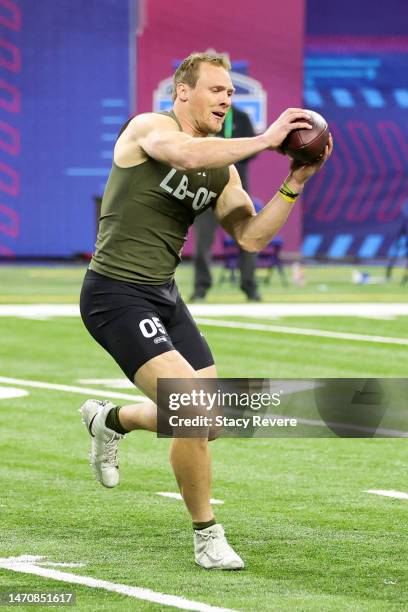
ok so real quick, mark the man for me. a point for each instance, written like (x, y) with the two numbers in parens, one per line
(237, 124)
(166, 170)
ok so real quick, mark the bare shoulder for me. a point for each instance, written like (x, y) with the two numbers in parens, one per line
(127, 150)
(142, 124)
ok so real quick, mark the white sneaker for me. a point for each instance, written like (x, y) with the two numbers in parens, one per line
(212, 551)
(104, 448)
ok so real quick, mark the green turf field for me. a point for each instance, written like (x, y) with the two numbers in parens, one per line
(324, 284)
(295, 509)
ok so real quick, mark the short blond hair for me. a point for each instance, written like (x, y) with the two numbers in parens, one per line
(187, 72)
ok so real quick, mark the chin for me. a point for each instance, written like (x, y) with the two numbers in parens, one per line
(217, 128)
(209, 129)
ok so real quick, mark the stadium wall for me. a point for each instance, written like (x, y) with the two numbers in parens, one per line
(356, 62)
(266, 37)
(64, 90)
(67, 80)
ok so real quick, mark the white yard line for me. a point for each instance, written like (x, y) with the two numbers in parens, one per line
(112, 383)
(178, 496)
(46, 311)
(386, 433)
(72, 389)
(51, 564)
(396, 494)
(26, 565)
(326, 309)
(11, 392)
(39, 311)
(301, 331)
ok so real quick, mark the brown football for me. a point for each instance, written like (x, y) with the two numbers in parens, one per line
(306, 145)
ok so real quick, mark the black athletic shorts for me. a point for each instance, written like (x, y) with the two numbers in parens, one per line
(135, 323)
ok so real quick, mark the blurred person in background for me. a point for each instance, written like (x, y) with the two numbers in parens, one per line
(237, 124)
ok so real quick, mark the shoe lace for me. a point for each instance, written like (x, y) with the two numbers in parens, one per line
(111, 449)
(213, 538)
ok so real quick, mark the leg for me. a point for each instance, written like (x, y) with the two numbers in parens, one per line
(405, 276)
(390, 266)
(139, 416)
(247, 266)
(204, 227)
(191, 462)
(189, 457)
(181, 353)
(282, 274)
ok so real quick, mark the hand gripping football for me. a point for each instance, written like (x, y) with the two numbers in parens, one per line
(305, 145)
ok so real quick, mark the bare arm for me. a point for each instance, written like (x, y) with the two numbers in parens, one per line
(187, 153)
(236, 213)
(159, 136)
(184, 152)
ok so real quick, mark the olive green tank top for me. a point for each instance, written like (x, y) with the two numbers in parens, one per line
(145, 216)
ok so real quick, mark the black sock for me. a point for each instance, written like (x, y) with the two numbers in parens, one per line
(199, 526)
(112, 421)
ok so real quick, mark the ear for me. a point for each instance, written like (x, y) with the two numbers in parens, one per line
(182, 91)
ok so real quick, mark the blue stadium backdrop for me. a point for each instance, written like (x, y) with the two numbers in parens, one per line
(356, 66)
(64, 90)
